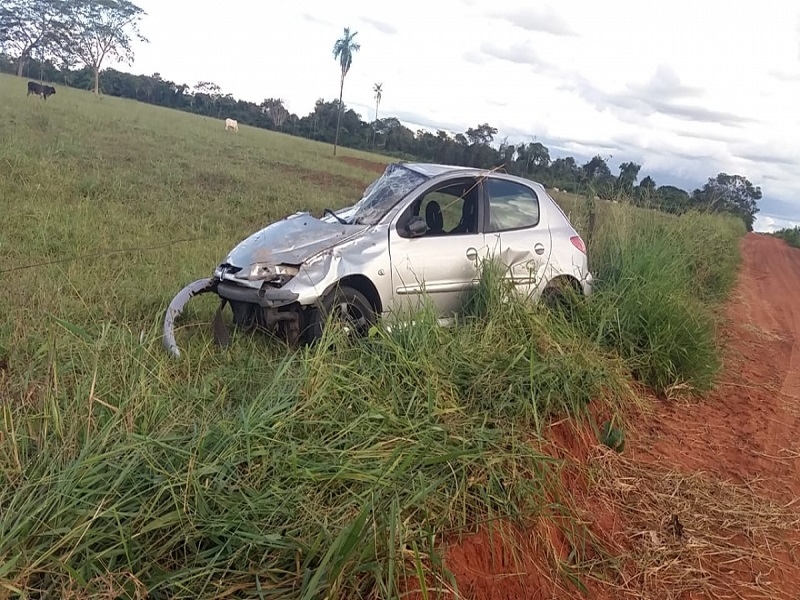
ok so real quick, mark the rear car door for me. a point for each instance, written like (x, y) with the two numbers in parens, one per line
(516, 232)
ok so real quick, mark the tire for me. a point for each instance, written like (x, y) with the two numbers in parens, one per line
(558, 295)
(360, 312)
(244, 315)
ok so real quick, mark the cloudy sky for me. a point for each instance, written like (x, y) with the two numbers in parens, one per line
(685, 88)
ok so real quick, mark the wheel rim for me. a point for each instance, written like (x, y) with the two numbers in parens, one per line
(351, 316)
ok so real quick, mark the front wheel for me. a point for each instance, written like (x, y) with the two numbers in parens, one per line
(346, 305)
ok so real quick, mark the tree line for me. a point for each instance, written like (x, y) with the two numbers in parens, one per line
(67, 41)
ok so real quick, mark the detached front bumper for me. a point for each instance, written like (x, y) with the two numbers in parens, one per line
(265, 297)
(201, 286)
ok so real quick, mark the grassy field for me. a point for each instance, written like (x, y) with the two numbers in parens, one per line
(257, 472)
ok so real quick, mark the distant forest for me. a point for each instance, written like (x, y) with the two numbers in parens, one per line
(473, 147)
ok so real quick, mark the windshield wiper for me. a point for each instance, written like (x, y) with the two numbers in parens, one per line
(328, 211)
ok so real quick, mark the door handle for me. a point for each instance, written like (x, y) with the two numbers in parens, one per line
(539, 249)
(472, 254)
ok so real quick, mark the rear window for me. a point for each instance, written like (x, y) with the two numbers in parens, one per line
(511, 206)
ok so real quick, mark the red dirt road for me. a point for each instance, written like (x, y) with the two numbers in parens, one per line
(748, 428)
(722, 472)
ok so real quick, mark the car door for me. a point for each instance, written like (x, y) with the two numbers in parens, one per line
(516, 232)
(443, 263)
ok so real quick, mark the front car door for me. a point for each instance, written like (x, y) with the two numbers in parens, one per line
(442, 264)
(516, 232)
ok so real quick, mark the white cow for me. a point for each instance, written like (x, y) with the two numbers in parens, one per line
(231, 124)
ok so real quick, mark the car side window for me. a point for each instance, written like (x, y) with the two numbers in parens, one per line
(511, 206)
(448, 210)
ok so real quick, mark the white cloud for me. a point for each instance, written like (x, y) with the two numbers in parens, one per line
(767, 224)
(534, 18)
(660, 83)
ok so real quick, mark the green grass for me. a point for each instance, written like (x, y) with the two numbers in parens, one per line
(259, 472)
(658, 276)
(790, 235)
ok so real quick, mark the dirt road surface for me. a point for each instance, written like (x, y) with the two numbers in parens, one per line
(748, 428)
(705, 500)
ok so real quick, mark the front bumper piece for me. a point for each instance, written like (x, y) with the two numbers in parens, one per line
(266, 297)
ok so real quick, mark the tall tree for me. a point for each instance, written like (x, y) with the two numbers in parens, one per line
(539, 155)
(648, 184)
(104, 29)
(645, 193)
(508, 153)
(730, 193)
(597, 168)
(628, 174)
(566, 169)
(32, 26)
(378, 89)
(343, 51)
(276, 111)
(672, 199)
(482, 135)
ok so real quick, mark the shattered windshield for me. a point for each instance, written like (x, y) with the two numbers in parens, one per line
(386, 191)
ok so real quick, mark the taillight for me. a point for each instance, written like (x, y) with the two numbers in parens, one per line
(578, 243)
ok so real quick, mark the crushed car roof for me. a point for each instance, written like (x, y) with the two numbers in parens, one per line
(434, 169)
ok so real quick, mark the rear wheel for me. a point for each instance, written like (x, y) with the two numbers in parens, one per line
(346, 305)
(560, 294)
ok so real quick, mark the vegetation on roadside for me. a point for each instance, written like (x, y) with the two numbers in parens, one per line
(335, 470)
(657, 278)
(790, 235)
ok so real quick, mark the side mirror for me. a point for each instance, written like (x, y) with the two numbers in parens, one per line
(417, 227)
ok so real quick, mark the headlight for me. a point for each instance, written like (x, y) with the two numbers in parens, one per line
(277, 273)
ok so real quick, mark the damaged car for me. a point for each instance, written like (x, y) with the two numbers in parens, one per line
(419, 231)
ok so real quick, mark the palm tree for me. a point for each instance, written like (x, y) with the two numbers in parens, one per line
(343, 51)
(378, 89)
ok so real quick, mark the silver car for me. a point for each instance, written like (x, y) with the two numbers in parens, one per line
(419, 231)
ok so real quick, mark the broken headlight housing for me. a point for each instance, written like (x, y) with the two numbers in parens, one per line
(279, 274)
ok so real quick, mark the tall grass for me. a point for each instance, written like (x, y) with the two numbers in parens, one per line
(327, 472)
(315, 483)
(658, 280)
(317, 479)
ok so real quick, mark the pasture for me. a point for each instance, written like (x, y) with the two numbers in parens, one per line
(256, 471)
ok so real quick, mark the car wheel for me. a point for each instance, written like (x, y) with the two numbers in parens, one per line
(345, 304)
(558, 295)
(244, 314)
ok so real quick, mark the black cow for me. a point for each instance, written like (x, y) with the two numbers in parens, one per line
(40, 90)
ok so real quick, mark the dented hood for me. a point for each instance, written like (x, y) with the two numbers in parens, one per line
(292, 240)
